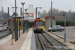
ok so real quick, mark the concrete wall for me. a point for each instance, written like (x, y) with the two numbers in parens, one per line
(48, 23)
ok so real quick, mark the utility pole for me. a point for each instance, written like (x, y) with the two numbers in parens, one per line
(51, 14)
(15, 18)
(36, 12)
(16, 23)
(21, 11)
(23, 14)
(8, 17)
(65, 28)
(8, 13)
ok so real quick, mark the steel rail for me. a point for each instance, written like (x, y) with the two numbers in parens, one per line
(41, 42)
(5, 35)
(4, 30)
(50, 42)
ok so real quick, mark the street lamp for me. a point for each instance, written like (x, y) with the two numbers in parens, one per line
(23, 8)
(36, 10)
(26, 11)
(23, 13)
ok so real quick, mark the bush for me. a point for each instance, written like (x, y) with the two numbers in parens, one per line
(31, 24)
(62, 23)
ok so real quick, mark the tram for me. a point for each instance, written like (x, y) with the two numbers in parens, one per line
(39, 25)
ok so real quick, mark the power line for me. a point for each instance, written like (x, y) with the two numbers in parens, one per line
(8, 3)
(41, 2)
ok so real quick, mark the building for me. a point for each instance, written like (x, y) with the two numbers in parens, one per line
(48, 22)
(30, 13)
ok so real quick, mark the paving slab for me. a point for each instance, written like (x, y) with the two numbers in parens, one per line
(23, 43)
(16, 45)
(27, 43)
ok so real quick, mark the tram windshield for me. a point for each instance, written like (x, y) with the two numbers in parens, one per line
(38, 23)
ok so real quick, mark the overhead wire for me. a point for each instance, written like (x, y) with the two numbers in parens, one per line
(8, 3)
(41, 2)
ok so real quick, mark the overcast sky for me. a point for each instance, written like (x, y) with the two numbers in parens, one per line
(46, 4)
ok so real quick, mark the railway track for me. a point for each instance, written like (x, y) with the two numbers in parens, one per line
(45, 43)
(4, 30)
(4, 35)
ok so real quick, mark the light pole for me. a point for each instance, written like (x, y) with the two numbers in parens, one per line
(65, 27)
(39, 14)
(36, 10)
(23, 12)
(16, 32)
(8, 13)
(51, 14)
(23, 8)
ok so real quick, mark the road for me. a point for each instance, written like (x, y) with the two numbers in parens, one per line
(70, 33)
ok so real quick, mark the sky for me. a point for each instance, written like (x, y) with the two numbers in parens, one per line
(65, 5)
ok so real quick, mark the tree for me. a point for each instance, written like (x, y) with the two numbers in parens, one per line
(73, 16)
(2, 9)
(55, 12)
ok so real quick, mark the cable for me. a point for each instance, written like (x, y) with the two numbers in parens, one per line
(41, 2)
(8, 3)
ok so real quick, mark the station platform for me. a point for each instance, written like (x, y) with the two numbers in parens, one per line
(25, 42)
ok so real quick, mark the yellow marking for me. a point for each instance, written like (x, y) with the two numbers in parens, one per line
(42, 19)
(42, 27)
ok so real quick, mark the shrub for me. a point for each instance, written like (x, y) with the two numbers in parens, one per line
(62, 23)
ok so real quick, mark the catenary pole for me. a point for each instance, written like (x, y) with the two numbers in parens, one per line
(51, 14)
(65, 28)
